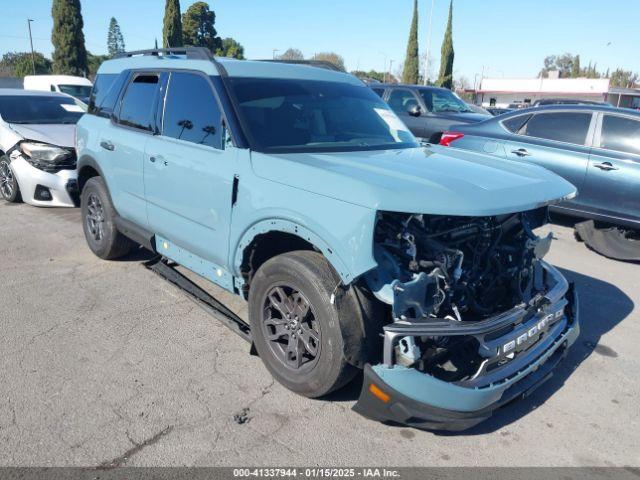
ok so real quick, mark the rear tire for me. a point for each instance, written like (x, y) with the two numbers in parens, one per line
(9, 188)
(98, 222)
(304, 326)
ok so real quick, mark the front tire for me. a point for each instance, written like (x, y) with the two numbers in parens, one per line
(9, 188)
(303, 325)
(98, 222)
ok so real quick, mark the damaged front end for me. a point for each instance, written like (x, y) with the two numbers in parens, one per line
(478, 318)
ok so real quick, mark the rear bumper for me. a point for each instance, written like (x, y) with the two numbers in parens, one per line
(415, 399)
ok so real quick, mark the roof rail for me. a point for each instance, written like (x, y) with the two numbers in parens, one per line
(312, 63)
(192, 53)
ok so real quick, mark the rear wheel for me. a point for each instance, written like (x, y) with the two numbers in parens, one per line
(98, 222)
(301, 329)
(9, 189)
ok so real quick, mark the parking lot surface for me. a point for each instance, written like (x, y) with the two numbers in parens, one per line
(105, 363)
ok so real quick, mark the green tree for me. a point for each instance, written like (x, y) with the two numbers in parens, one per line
(70, 54)
(172, 26)
(576, 71)
(18, 64)
(198, 27)
(115, 40)
(372, 75)
(230, 48)
(330, 57)
(562, 63)
(624, 78)
(445, 78)
(291, 54)
(411, 71)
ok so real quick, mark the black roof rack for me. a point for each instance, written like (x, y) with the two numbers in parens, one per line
(192, 53)
(312, 63)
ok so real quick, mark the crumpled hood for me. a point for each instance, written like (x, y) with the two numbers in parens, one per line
(59, 135)
(430, 180)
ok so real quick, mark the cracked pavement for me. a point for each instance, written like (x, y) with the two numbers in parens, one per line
(106, 364)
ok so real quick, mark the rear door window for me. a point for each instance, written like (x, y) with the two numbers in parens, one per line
(568, 127)
(621, 134)
(138, 103)
(191, 111)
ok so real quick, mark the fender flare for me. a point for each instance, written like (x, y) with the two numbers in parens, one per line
(287, 226)
(88, 161)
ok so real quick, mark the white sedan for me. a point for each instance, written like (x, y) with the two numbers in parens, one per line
(37, 155)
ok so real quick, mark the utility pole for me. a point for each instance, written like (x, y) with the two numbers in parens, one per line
(33, 58)
(426, 60)
(275, 50)
(390, 69)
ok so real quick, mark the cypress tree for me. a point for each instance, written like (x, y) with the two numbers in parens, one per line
(411, 71)
(115, 40)
(576, 70)
(172, 29)
(445, 78)
(70, 54)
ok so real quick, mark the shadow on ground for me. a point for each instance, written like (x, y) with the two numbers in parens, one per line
(602, 307)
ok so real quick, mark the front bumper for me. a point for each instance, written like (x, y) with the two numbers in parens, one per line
(400, 395)
(62, 185)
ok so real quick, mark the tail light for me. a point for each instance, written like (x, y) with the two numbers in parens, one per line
(448, 137)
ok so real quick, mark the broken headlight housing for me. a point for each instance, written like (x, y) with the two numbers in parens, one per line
(46, 157)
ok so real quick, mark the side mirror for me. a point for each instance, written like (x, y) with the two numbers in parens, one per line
(414, 111)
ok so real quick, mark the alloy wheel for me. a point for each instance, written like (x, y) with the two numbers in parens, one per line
(6, 180)
(290, 328)
(95, 217)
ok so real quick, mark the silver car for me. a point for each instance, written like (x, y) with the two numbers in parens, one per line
(37, 155)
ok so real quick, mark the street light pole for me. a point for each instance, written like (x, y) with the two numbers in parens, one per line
(426, 60)
(33, 58)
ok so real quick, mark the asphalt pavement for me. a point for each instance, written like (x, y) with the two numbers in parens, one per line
(106, 364)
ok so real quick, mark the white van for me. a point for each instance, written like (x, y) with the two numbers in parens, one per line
(78, 87)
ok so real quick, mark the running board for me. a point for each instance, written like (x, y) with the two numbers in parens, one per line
(166, 269)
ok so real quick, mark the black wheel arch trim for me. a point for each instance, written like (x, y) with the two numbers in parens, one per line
(129, 229)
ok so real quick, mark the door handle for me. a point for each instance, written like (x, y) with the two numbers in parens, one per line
(159, 158)
(107, 145)
(606, 166)
(521, 152)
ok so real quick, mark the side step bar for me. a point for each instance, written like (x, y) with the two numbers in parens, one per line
(166, 269)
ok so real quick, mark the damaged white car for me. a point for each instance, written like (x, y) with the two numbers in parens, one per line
(37, 155)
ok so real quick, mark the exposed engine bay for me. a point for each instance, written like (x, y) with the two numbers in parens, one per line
(456, 271)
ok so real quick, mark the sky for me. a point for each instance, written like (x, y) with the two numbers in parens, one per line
(502, 38)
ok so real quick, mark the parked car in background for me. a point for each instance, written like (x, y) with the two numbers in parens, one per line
(427, 111)
(495, 111)
(597, 148)
(566, 101)
(298, 189)
(37, 156)
(77, 87)
(479, 109)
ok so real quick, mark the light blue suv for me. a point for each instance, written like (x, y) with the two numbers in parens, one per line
(298, 189)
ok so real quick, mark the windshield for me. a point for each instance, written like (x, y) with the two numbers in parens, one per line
(282, 115)
(443, 101)
(80, 91)
(32, 109)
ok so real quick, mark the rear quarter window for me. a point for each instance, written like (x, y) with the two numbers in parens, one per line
(514, 124)
(105, 92)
